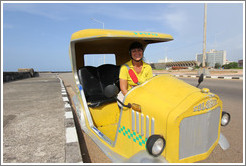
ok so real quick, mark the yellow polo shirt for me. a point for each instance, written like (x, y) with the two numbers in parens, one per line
(146, 73)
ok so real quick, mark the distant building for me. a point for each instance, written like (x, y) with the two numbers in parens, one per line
(213, 57)
(165, 60)
(167, 65)
(240, 63)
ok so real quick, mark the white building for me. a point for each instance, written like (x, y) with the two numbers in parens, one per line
(165, 60)
(213, 57)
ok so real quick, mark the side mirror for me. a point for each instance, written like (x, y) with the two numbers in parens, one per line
(200, 79)
(111, 91)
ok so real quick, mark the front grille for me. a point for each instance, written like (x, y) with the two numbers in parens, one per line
(138, 119)
(198, 133)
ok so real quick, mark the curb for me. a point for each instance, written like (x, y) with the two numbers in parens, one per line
(215, 77)
(72, 148)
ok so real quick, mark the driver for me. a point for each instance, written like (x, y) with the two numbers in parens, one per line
(135, 71)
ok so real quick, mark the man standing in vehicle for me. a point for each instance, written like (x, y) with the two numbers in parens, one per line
(135, 71)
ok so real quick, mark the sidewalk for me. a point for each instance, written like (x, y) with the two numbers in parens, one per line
(35, 116)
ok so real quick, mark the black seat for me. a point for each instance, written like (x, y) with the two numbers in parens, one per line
(95, 79)
(108, 75)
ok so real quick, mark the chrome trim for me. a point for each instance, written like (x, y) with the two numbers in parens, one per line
(147, 127)
(118, 126)
(152, 126)
(87, 111)
(142, 124)
(75, 74)
(224, 144)
(137, 122)
(101, 135)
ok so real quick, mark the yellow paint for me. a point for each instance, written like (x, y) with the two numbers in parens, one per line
(168, 100)
(105, 115)
(109, 130)
(165, 98)
(100, 33)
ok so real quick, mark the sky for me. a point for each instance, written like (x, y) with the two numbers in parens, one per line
(37, 35)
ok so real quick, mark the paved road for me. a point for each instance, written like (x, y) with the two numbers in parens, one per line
(33, 121)
(231, 93)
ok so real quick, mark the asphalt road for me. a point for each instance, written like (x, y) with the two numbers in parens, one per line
(230, 92)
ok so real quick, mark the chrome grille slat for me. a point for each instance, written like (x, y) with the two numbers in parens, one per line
(137, 122)
(152, 126)
(147, 127)
(140, 120)
(142, 124)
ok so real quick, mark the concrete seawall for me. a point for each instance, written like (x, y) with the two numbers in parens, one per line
(11, 76)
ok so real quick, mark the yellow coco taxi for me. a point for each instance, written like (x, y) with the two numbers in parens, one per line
(164, 119)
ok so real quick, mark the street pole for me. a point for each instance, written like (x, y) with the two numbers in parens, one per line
(103, 28)
(98, 21)
(214, 60)
(204, 35)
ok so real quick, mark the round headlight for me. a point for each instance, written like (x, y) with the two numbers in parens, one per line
(225, 119)
(155, 145)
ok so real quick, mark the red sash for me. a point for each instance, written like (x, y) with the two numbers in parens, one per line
(132, 75)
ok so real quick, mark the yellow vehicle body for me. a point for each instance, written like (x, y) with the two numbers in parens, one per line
(187, 117)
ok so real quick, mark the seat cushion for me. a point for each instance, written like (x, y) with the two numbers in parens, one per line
(108, 74)
(88, 77)
(95, 79)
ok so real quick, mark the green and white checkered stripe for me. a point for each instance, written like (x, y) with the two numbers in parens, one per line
(132, 135)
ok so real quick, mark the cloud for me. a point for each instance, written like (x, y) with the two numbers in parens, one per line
(159, 13)
(176, 20)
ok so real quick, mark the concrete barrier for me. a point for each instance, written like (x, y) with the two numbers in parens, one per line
(30, 70)
(21, 74)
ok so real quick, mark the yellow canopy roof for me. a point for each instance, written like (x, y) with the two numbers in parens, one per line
(148, 37)
(105, 41)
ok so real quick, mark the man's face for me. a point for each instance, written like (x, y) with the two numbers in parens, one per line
(137, 54)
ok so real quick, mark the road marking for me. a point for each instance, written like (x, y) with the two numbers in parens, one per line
(71, 135)
(216, 77)
(65, 99)
(67, 105)
(68, 114)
